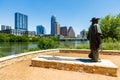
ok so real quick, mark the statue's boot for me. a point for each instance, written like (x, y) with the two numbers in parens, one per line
(96, 57)
(90, 55)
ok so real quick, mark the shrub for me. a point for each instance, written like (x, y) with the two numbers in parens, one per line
(34, 39)
(47, 43)
(3, 55)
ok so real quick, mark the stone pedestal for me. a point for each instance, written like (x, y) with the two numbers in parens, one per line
(104, 67)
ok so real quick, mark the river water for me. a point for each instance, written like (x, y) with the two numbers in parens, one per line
(16, 48)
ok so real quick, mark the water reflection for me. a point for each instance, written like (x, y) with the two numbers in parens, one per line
(15, 48)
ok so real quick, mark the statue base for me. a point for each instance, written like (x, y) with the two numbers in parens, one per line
(104, 67)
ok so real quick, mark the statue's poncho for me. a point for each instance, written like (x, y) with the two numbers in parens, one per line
(94, 36)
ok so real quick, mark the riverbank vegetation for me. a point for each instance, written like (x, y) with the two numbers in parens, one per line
(45, 43)
(14, 38)
(105, 46)
(3, 55)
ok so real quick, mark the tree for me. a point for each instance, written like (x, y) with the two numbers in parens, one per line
(47, 43)
(110, 26)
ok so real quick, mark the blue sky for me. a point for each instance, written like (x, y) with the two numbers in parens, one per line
(75, 13)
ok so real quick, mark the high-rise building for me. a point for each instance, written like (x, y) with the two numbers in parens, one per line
(5, 27)
(40, 30)
(83, 34)
(71, 33)
(8, 27)
(21, 21)
(56, 28)
(63, 31)
(53, 20)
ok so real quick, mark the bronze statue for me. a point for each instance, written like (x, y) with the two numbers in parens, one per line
(94, 37)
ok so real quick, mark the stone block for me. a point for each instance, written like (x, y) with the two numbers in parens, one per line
(104, 67)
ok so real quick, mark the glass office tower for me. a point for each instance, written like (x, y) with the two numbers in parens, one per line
(53, 20)
(21, 21)
(40, 30)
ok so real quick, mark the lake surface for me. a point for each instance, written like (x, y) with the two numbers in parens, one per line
(16, 48)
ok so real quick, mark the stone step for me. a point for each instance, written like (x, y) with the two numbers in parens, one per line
(104, 67)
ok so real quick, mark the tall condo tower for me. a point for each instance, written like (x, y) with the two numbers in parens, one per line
(21, 21)
(53, 20)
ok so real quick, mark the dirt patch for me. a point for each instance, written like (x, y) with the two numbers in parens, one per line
(24, 71)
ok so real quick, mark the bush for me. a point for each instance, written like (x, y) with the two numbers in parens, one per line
(4, 37)
(47, 43)
(3, 55)
(34, 39)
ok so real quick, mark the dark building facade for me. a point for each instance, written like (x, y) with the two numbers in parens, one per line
(21, 21)
(63, 31)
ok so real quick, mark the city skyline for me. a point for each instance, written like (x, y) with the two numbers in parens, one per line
(76, 13)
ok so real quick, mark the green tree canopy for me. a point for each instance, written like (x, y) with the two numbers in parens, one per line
(110, 26)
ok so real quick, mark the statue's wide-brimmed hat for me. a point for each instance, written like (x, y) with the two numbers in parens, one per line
(94, 19)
